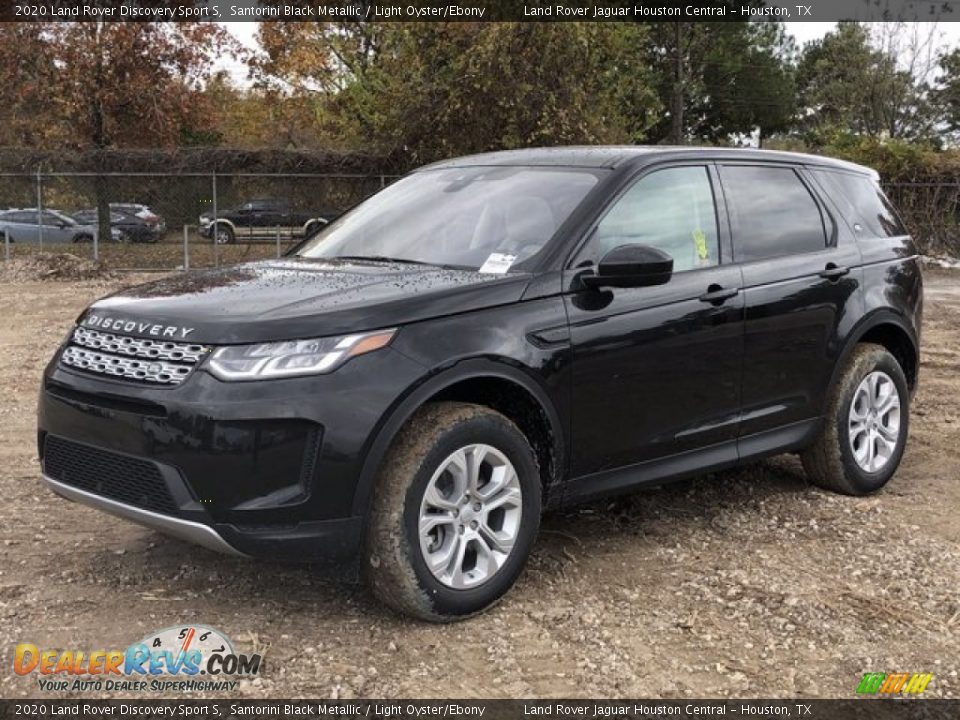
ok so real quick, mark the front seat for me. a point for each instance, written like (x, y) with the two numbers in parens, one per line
(529, 224)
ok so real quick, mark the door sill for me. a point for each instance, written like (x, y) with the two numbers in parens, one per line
(693, 462)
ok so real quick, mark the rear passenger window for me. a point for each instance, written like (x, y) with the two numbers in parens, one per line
(865, 202)
(772, 212)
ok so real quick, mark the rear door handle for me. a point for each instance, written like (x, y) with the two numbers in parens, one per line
(833, 271)
(717, 294)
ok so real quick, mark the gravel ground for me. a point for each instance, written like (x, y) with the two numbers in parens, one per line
(743, 583)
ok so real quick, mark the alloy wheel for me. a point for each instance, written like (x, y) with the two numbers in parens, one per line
(470, 516)
(874, 421)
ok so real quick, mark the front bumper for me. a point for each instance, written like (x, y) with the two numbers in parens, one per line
(193, 532)
(267, 469)
(147, 235)
(321, 540)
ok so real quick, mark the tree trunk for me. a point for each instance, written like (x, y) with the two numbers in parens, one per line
(676, 95)
(101, 189)
(101, 185)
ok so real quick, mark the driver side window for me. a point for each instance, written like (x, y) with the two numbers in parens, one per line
(672, 210)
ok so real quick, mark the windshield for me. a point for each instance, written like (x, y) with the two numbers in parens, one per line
(56, 217)
(488, 218)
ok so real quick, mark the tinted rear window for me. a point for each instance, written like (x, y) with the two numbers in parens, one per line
(864, 201)
(772, 211)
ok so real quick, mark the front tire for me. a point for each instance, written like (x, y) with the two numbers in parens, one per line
(223, 234)
(312, 227)
(866, 425)
(455, 513)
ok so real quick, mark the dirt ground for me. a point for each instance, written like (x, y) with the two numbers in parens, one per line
(743, 583)
(163, 256)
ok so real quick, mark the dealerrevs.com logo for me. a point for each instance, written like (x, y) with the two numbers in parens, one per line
(183, 658)
(894, 683)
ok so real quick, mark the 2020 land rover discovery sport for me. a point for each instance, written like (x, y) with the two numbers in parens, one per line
(489, 337)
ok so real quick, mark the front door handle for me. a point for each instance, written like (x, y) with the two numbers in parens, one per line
(833, 271)
(718, 294)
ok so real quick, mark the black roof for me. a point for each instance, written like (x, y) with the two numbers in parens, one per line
(611, 156)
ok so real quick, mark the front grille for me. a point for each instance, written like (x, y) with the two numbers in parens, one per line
(159, 362)
(125, 479)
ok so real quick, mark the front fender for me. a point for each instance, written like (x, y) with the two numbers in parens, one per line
(419, 394)
(314, 221)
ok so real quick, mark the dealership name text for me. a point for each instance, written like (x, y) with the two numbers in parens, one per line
(604, 12)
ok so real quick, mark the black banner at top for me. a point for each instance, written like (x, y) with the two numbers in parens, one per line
(477, 10)
(299, 709)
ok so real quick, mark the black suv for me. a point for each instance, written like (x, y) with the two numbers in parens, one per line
(262, 220)
(490, 337)
(129, 227)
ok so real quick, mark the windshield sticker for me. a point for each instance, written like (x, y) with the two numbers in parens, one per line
(498, 263)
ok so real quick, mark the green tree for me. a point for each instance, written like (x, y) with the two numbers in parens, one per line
(418, 92)
(718, 79)
(946, 98)
(851, 82)
(749, 83)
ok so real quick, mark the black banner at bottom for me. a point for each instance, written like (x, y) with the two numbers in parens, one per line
(868, 709)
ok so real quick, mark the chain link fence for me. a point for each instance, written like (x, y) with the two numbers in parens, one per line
(58, 212)
(161, 221)
(931, 211)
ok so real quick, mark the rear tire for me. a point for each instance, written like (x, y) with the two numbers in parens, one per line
(866, 425)
(455, 513)
(83, 238)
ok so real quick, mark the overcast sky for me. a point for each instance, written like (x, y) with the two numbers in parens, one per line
(246, 32)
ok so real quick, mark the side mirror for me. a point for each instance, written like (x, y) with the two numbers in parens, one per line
(631, 266)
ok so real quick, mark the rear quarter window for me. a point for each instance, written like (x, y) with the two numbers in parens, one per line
(864, 203)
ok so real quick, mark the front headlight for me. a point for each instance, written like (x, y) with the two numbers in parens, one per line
(293, 357)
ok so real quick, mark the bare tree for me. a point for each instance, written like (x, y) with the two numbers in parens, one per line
(900, 91)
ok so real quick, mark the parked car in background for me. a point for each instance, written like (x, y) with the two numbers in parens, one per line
(261, 220)
(132, 228)
(28, 225)
(144, 213)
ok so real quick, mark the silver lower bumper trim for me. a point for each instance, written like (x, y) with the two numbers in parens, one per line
(193, 532)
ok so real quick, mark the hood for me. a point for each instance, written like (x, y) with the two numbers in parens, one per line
(297, 298)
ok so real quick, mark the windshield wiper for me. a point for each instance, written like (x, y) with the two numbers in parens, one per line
(407, 261)
(381, 258)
